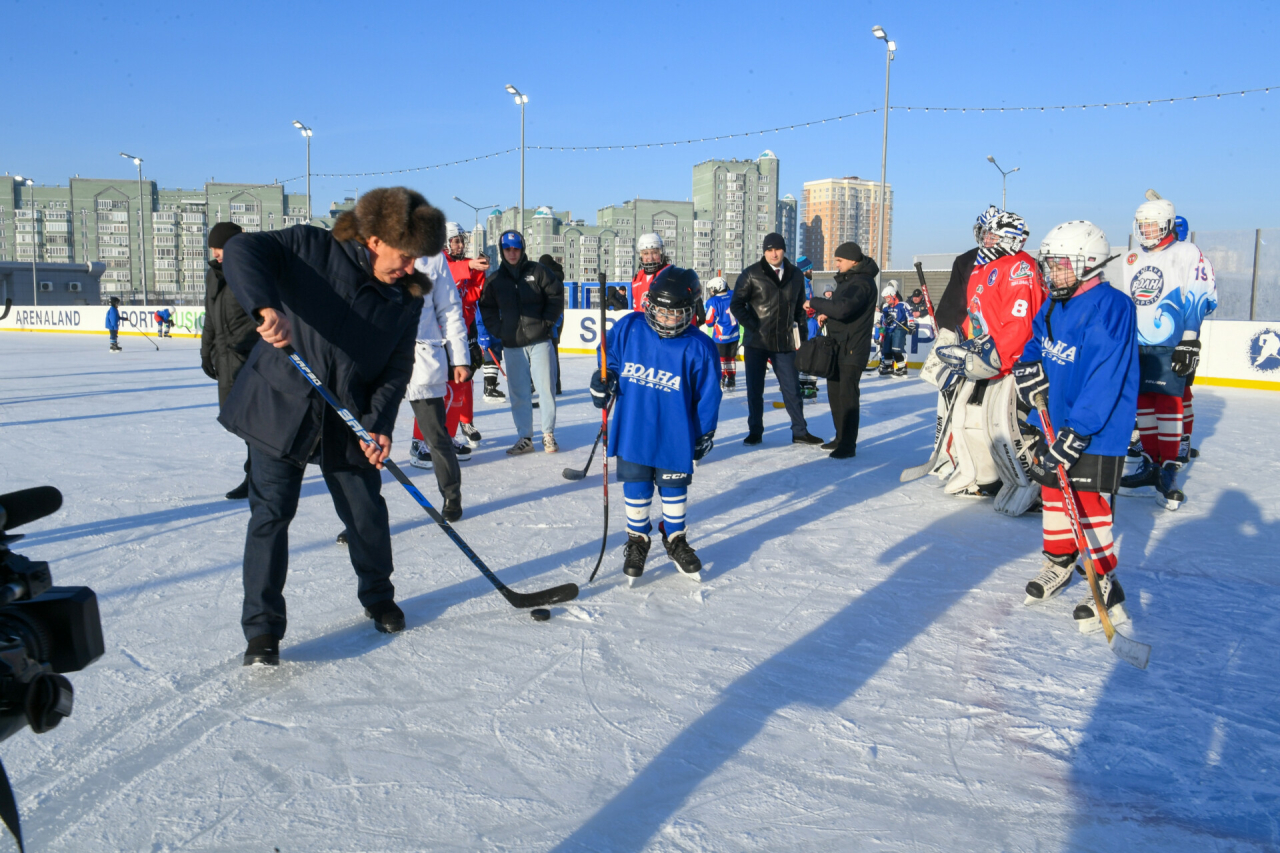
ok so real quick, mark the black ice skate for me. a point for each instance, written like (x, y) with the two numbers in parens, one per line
(900, 370)
(492, 394)
(731, 382)
(1086, 615)
(682, 554)
(886, 367)
(1167, 492)
(1053, 578)
(634, 554)
(470, 433)
(419, 454)
(1147, 477)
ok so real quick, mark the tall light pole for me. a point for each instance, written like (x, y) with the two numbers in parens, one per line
(306, 131)
(142, 237)
(31, 207)
(1003, 177)
(521, 99)
(890, 47)
(475, 209)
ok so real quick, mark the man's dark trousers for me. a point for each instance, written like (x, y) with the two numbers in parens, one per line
(429, 414)
(784, 368)
(274, 487)
(844, 394)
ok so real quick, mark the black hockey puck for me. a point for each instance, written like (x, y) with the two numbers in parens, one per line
(540, 614)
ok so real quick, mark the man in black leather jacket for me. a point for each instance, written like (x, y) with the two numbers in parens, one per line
(768, 300)
(848, 315)
(229, 332)
(348, 301)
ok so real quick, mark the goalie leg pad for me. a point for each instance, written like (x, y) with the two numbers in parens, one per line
(1010, 448)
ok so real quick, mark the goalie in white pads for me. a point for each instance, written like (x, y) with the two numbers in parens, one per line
(988, 443)
(1084, 355)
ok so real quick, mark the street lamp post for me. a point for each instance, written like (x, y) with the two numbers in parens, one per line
(142, 237)
(521, 99)
(306, 131)
(31, 208)
(890, 47)
(1003, 178)
(475, 209)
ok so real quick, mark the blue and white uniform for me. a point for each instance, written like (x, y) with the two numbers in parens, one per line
(668, 396)
(724, 325)
(1173, 290)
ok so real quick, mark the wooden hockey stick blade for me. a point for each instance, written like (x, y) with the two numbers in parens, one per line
(1130, 650)
(1152, 195)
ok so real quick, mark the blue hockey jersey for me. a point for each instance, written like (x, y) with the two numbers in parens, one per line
(668, 393)
(1091, 362)
(894, 317)
(721, 318)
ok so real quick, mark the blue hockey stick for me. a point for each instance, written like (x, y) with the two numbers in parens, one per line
(554, 595)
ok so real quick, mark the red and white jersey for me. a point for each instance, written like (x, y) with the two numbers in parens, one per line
(1003, 298)
(470, 285)
(640, 288)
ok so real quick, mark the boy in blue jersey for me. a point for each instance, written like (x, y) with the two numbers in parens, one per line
(663, 371)
(808, 383)
(113, 324)
(1084, 353)
(724, 331)
(895, 325)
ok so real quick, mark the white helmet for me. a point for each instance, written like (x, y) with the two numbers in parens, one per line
(1079, 242)
(1159, 212)
(451, 230)
(717, 285)
(889, 290)
(648, 241)
(1010, 230)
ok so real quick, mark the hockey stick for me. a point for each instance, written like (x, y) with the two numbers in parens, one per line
(574, 473)
(928, 302)
(554, 595)
(495, 360)
(1128, 650)
(144, 334)
(8, 303)
(920, 470)
(604, 431)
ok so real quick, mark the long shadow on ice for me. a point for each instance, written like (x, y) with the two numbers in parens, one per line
(822, 669)
(1186, 756)
(212, 405)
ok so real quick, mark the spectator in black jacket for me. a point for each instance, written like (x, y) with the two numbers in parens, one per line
(848, 316)
(229, 333)
(768, 300)
(521, 303)
(558, 271)
(348, 301)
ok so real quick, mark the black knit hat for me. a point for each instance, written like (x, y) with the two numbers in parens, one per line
(221, 233)
(849, 252)
(773, 240)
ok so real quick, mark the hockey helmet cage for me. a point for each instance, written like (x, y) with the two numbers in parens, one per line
(1079, 244)
(669, 308)
(1010, 231)
(1158, 214)
(984, 218)
(451, 230)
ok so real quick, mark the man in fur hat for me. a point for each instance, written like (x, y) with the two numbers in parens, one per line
(349, 302)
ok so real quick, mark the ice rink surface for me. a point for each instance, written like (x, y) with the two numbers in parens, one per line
(857, 671)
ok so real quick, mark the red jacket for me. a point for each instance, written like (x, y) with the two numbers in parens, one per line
(1003, 298)
(470, 286)
(640, 288)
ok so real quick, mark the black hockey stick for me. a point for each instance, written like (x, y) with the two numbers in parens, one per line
(144, 334)
(554, 595)
(574, 473)
(1127, 649)
(604, 431)
(8, 303)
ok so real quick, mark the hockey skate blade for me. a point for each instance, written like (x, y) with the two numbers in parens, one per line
(631, 582)
(1171, 500)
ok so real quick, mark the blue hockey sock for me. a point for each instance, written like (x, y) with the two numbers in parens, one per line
(673, 504)
(639, 497)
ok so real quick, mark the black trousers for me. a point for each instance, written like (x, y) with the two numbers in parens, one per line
(784, 368)
(844, 394)
(444, 459)
(274, 486)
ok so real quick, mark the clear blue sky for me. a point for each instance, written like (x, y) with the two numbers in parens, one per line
(208, 90)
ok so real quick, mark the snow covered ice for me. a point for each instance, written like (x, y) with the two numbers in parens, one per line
(856, 672)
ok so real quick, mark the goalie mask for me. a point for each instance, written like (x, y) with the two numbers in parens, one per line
(1008, 232)
(669, 308)
(1153, 222)
(984, 219)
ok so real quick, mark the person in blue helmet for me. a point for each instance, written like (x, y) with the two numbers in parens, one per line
(725, 331)
(808, 383)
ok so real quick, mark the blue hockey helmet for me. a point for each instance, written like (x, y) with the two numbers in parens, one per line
(1180, 227)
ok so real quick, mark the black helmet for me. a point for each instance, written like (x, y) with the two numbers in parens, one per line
(669, 306)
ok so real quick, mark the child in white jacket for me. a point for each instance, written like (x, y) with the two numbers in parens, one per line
(441, 354)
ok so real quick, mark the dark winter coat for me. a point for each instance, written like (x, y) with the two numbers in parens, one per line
(229, 332)
(767, 308)
(522, 303)
(355, 332)
(851, 312)
(952, 309)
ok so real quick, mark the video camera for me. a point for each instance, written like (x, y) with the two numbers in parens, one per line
(45, 630)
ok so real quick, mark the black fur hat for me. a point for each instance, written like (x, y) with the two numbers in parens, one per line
(398, 216)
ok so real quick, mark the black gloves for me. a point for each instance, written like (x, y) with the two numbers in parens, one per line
(703, 445)
(603, 390)
(206, 364)
(1066, 450)
(1029, 378)
(1186, 357)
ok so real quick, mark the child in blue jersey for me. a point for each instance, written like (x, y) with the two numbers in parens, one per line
(724, 331)
(895, 325)
(809, 383)
(663, 372)
(1084, 353)
(113, 323)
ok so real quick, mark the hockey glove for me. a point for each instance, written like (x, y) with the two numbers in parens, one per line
(206, 364)
(1186, 357)
(1066, 450)
(1029, 378)
(603, 390)
(973, 359)
(704, 445)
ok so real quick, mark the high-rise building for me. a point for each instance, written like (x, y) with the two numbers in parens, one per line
(99, 220)
(788, 219)
(739, 199)
(541, 227)
(839, 210)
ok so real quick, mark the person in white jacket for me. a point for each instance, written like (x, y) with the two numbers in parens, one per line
(441, 354)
